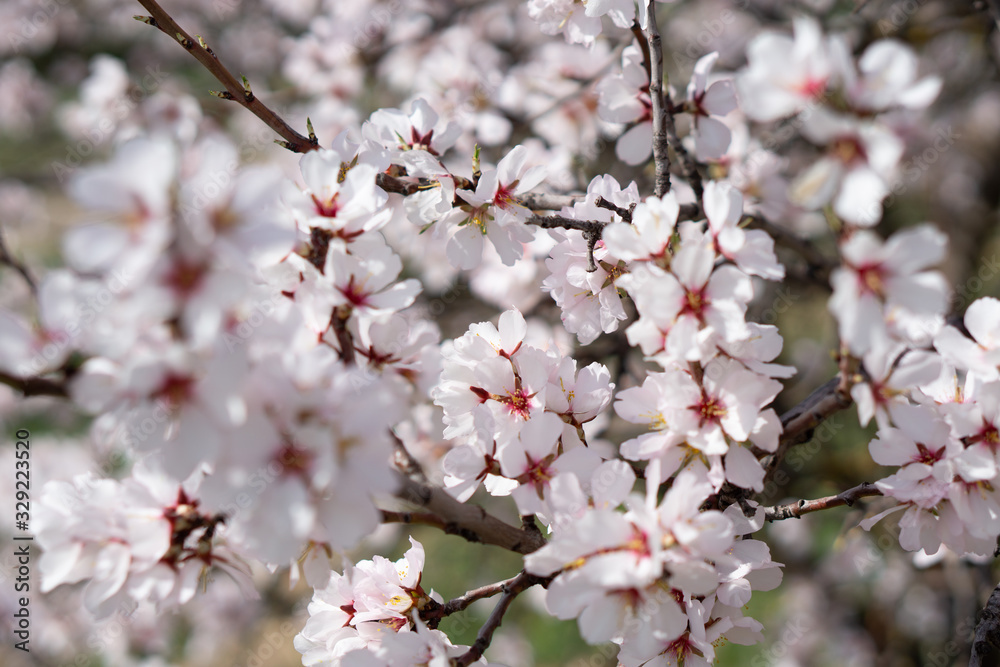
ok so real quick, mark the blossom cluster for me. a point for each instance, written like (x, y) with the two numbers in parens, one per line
(260, 345)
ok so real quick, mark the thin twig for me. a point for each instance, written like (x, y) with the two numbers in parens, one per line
(623, 213)
(511, 590)
(661, 152)
(462, 602)
(562, 222)
(7, 258)
(796, 510)
(235, 90)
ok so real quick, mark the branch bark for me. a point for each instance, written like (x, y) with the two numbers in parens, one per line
(986, 645)
(469, 521)
(235, 90)
(7, 258)
(661, 119)
(35, 386)
(796, 510)
(511, 590)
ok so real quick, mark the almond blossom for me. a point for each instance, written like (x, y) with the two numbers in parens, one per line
(883, 285)
(711, 136)
(685, 311)
(493, 210)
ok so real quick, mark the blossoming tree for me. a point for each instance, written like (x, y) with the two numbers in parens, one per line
(259, 342)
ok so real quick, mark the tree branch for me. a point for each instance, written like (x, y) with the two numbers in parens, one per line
(469, 521)
(235, 90)
(987, 640)
(661, 119)
(548, 202)
(796, 510)
(7, 258)
(511, 589)
(35, 386)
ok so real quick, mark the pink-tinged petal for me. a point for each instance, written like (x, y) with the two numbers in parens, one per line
(93, 248)
(511, 166)
(618, 102)
(892, 448)
(57, 565)
(921, 94)
(720, 98)
(922, 294)
(509, 248)
(397, 297)
(321, 171)
(422, 116)
(961, 351)
(531, 178)
(540, 435)
(196, 442)
(711, 139)
(693, 577)
(728, 283)
(860, 198)
(917, 368)
(693, 264)
(915, 249)
(815, 187)
(982, 319)
(636, 145)
(867, 524)
(110, 572)
(922, 424)
(723, 205)
(465, 248)
(699, 77)
(865, 400)
(767, 430)
(743, 469)
(512, 329)
(683, 341)
(976, 463)
(623, 241)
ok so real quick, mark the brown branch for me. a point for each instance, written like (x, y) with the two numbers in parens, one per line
(462, 602)
(796, 510)
(235, 90)
(562, 222)
(7, 258)
(35, 386)
(547, 202)
(986, 644)
(661, 119)
(623, 213)
(511, 590)
(468, 521)
(338, 321)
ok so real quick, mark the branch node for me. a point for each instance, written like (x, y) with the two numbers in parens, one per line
(184, 41)
(148, 20)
